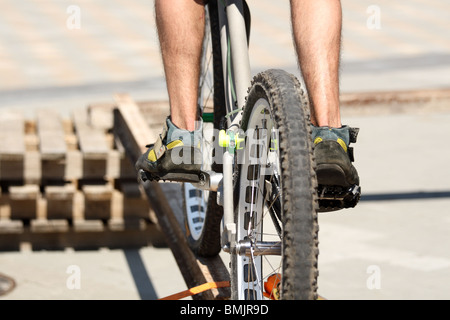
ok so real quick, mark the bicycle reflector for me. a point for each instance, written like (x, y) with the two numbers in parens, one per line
(230, 140)
(272, 287)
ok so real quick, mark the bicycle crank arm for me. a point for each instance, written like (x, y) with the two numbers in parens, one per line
(205, 180)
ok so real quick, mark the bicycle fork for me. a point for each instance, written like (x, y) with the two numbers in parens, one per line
(229, 233)
(223, 185)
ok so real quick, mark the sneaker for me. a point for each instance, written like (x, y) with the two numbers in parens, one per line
(334, 157)
(337, 177)
(175, 156)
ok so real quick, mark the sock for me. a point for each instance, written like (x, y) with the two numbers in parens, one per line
(189, 138)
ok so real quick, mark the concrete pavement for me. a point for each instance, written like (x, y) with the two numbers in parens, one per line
(394, 245)
(399, 233)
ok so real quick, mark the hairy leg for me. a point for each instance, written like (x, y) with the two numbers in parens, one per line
(317, 28)
(181, 25)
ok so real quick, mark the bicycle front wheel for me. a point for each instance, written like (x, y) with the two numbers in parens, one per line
(275, 194)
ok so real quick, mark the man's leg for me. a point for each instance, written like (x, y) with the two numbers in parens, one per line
(181, 25)
(174, 156)
(317, 34)
(317, 26)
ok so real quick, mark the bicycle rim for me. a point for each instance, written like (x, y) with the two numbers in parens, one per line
(275, 193)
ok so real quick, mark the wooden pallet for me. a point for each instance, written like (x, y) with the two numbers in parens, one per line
(63, 179)
(72, 183)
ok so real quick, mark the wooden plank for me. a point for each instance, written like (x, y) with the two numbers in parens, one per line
(32, 168)
(119, 166)
(81, 225)
(93, 145)
(154, 112)
(60, 201)
(52, 144)
(101, 115)
(134, 201)
(12, 135)
(49, 226)
(11, 226)
(12, 145)
(92, 140)
(127, 224)
(23, 201)
(97, 201)
(131, 128)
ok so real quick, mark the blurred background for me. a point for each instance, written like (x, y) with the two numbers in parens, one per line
(68, 54)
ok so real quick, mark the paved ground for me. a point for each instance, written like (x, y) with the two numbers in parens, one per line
(397, 236)
(46, 60)
(394, 245)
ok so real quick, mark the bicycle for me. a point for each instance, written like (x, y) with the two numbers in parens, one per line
(257, 196)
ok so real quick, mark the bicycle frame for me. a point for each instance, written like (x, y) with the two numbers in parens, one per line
(236, 60)
(237, 78)
(260, 167)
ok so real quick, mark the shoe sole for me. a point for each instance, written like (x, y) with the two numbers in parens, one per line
(331, 175)
(145, 176)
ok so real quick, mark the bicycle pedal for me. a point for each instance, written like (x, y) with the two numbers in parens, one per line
(144, 176)
(180, 177)
(333, 198)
